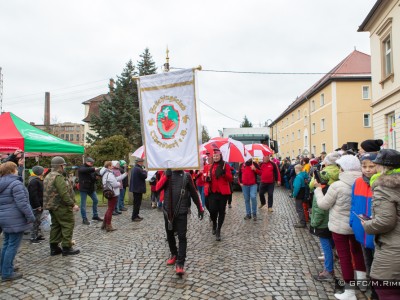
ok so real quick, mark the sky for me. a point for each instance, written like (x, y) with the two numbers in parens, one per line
(72, 48)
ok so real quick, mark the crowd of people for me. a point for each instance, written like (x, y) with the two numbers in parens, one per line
(348, 197)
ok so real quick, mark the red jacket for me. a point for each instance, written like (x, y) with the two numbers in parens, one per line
(247, 176)
(221, 185)
(199, 178)
(269, 172)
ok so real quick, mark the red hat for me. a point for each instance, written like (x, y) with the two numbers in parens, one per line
(216, 150)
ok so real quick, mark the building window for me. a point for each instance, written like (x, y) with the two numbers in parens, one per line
(292, 136)
(312, 105)
(305, 120)
(292, 117)
(365, 92)
(62, 135)
(77, 137)
(287, 138)
(314, 150)
(367, 120)
(71, 137)
(322, 100)
(322, 124)
(305, 141)
(283, 140)
(391, 132)
(298, 114)
(323, 147)
(313, 128)
(299, 151)
(387, 56)
(83, 137)
(298, 134)
(67, 137)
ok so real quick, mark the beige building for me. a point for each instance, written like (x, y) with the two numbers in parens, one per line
(334, 111)
(383, 24)
(71, 132)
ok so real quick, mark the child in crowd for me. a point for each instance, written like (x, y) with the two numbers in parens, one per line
(299, 190)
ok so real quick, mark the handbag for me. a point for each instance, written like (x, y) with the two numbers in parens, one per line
(108, 191)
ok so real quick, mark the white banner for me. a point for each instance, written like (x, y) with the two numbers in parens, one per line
(168, 114)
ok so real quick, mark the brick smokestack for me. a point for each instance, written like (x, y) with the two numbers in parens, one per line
(47, 109)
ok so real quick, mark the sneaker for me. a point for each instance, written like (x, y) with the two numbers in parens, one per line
(261, 206)
(35, 241)
(300, 225)
(13, 276)
(179, 270)
(254, 218)
(171, 261)
(115, 213)
(136, 219)
(270, 209)
(247, 217)
(97, 218)
(40, 238)
(230, 205)
(139, 217)
(153, 205)
(321, 258)
(324, 276)
(85, 222)
(123, 209)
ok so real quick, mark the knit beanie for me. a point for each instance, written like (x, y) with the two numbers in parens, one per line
(372, 145)
(349, 163)
(37, 170)
(331, 158)
(368, 156)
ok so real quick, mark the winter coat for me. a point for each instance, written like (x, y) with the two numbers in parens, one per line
(138, 180)
(299, 185)
(222, 184)
(246, 174)
(108, 179)
(319, 221)
(385, 224)
(338, 201)
(270, 172)
(125, 181)
(361, 202)
(15, 211)
(35, 190)
(172, 186)
(87, 178)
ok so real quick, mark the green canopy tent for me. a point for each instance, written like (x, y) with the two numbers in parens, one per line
(16, 134)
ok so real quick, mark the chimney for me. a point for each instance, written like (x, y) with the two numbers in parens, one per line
(111, 85)
(47, 109)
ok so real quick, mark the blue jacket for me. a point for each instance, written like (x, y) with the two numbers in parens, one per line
(15, 211)
(299, 183)
(138, 180)
(361, 203)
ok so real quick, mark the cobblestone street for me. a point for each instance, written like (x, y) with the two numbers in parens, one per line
(263, 259)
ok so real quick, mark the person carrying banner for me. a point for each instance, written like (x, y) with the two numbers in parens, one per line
(219, 177)
(178, 188)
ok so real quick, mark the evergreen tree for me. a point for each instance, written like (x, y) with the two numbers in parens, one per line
(246, 123)
(119, 112)
(146, 66)
(205, 137)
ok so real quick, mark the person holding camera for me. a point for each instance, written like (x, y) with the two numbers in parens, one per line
(137, 187)
(178, 187)
(87, 187)
(114, 183)
(18, 157)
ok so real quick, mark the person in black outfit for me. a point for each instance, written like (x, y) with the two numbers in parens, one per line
(35, 189)
(178, 188)
(137, 186)
(87, 181)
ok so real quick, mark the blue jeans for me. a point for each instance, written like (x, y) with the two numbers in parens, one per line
(11, 244)
(83, 203)
(327, 244)
(202, 196)
(250, 193)
(120, 204)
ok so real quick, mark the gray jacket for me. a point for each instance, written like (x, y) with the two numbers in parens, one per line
(15, 211)
(338, 201)
(385, 224)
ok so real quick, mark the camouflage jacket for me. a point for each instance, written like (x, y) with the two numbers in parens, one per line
(57, 191)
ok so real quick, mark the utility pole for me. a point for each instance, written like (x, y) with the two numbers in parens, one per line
(1, 91)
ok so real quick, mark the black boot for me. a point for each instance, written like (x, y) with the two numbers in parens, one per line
(55, 249)
(214, 229)
(69, 251)
(218, 234)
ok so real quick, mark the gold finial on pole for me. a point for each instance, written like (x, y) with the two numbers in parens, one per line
(166, 65)
(199, 68)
